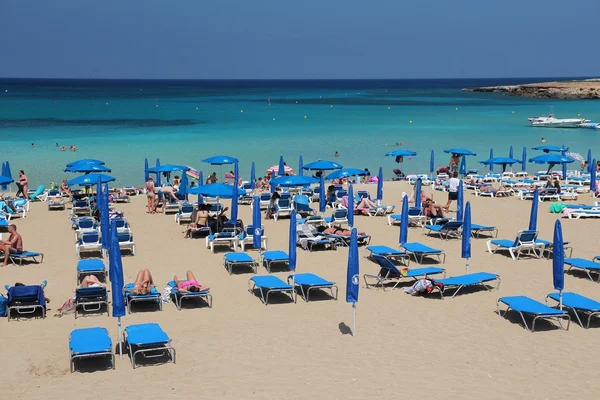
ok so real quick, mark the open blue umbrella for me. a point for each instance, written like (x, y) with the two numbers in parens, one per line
(87, 168)
(253, 175)
(460, 151)
(534, 211)
(352, 277)
(184, 186)
(235, 195)
(220, 190)
(146, 173)
(105, 220)
(169, 168)
(558, 261)
(418, 193)
(551, 160)
(256, 223)
(589, 161)
(322, 165)
(504, 161)
(115, 271)
(293, 181)
(404, 221)
(548, 149)
(432, 162)
(158, 180)
(400, 154)
(90, 180)
(281, 168)
(350, 206)
(86, 161)
(460, 200)
(380, 184)
(510, 152)
(524, 160)
(346, 172)
(220, 160)
(491, 157)
(462, 169)
(466, 236)
(292, 242)
(300, 166)
(322, 198)
(593, 177)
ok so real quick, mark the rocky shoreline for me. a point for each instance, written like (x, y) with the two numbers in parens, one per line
(575, 90)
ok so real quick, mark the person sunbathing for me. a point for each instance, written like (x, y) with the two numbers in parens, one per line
(201, 220)
(433, 210)
(65, 188)
(90, 281)
(337, 231)
(190, 284)
(43, 285)
(143, 283)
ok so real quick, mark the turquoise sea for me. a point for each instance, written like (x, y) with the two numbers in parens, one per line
(182, 122)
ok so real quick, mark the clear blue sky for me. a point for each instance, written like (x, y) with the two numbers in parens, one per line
(261, 39)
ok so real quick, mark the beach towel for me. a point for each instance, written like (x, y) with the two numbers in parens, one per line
(68, 307)
(557, 208)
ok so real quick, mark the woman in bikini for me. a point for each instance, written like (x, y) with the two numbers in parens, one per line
(143, 283)
(65, 188)
(337, 231)
(202, 216)
(190, 284)
(150, 195)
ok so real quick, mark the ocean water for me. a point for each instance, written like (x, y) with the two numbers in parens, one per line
(182, 122)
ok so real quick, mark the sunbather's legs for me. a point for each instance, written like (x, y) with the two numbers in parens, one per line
(90, 280)
(148, 276)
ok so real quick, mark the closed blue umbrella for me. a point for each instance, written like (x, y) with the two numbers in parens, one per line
(2, 172)
(589, 161)
(184, 186)
(462, 169)
(281, 168)
(256, 223)
(7, 172)
(510, 152)
(253, 175)
(534, 211)
(558, 260)
(146, 173)
(5, 181)
(322, 165)
(292, 241)
(564, 166)
(200, 178)
(466, 236)
(380, 184)
(322, 198)
(87, 168)
(115, 271)
(524, 160)
(90, 180)
(86, 161)
(404, 221)
(213, 190)
(105, 219)
(593, 177)
(271, 185)
(352, 277)
(418, 193)
(345, 172)
(158, 179)
(235, 195)
(460, 200)
(99, 194)
(432, 162)
(491, 157)
(350, 206)
(300, 166)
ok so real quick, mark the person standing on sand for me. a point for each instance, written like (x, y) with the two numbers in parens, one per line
(150, 195)
(23, 185)
(453, 184)
(13, 245)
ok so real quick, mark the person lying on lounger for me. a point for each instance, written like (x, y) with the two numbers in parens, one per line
(202, 216)
(190, 284)
(493, 190)
(364, 205)
(337, 231)
(143, 283)
(43, 285)
(433, 210)
(90, 281)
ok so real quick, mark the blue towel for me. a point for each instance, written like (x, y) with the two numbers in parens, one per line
(28, 294)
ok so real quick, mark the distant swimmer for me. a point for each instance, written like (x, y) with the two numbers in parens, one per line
(56, 144)
(336, 154)
(32, 144)
(73, 148)
(63, 148)
(543, 140)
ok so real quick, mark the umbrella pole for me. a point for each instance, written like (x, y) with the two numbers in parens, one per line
(560, 299)
(467, 265)
(353, 319)
(120, 338)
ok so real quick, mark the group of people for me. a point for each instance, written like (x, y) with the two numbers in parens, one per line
(202, 218)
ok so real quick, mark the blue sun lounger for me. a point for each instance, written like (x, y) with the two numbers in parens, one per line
(274, 256)
(231, 260)
(179, 296)
(91, 266)
(548, 248)
(419, 251)
(307, 282)
(389, 272)
(26, 300)
(267, 284)
(152, 297)
(91, 299)
(526, 305)
(452, 228)
(477, 230)
(90, 343)
(577, 303)
(26, 255)
(587, 266)
(388, 252)
(148, 341)
(456, 283)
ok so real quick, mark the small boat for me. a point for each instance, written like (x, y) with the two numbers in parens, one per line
(552, 122)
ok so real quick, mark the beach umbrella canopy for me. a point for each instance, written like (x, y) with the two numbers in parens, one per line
(322, 165)
(401, 153)
(87, 168)
(115, 271)
(524, 160)
(346, 172)
(351, 206)
(220, 160)
(380, 184)
(184, 186)
(491, 165)
(213, 190)
(534, 211)
(460, 200)
(593, 177)
(235, 195)
(281, 167)
(418, 193)
(300, 166)
(292, 242)
(286, 170)
(462, 169)
(90, 179)
(146, 173)
(551, 160)
(86, 161)
(293, 181)
(466, 236)
(168, 168)
(558, 260)
(404, 221)
(352, 277)
(322, 199)
(504, 161)
(460, 151)
(432, 162)
(158, 183)
(510, 152)
(256, 223)
(104, 219)
(253, 175)
(548, 149)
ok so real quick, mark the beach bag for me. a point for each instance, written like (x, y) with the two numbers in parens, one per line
(3, 305)
(165, 298)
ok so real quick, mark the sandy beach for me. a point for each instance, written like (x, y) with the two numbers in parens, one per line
(405, 347)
